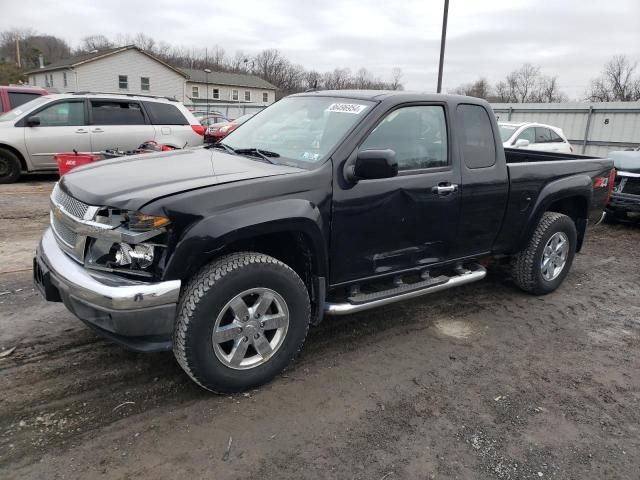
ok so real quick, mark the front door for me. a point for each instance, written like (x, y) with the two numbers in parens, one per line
(63, 128)
(388, 225)
(118, 124)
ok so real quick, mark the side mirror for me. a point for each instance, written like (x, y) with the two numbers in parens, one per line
(521, 143)
(372, 164)
(33, 121)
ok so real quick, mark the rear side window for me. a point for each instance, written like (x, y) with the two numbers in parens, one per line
(543, 135)
(165, 114)
(20, 98)
(555, 138)
(108, 112)
(528, 134)
(478, 147)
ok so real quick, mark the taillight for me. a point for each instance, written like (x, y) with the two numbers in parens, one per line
(612, 181)
(199, 129)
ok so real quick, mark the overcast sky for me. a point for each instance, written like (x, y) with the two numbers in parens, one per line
(568, 38)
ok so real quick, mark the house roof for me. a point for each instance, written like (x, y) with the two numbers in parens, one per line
(96, 55)
(226, 78)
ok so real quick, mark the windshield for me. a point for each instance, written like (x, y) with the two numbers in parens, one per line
(301, 130)
(25, 107)
(506, 131)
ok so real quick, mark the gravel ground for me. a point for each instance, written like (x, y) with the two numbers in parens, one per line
(479, 382)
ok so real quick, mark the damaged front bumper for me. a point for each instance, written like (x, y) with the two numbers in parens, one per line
(136, 314)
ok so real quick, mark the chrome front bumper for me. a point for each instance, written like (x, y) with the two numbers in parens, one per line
(117, 306)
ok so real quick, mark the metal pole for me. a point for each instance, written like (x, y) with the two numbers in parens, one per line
(442, 42)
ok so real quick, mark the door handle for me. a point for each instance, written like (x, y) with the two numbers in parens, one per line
(81, 130)
(97, 130)
(445, 188)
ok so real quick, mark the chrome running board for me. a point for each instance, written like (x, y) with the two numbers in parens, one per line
(477, 272)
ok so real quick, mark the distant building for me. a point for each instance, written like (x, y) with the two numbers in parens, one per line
(131, 70)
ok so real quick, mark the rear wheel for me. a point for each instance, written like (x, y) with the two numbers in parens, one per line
(241, 320)
(543, 265)
(10, 168)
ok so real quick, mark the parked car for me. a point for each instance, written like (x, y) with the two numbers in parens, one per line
(625, 200)
(14, 96)
(217, 132)
(32, 134)
(534, 136)
(212, 120)
(227, 254)
(204, 113)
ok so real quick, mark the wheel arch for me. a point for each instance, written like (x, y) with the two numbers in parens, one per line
(570, 196)
(17, 153)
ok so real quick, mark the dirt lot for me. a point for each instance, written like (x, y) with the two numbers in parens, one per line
(479, 382)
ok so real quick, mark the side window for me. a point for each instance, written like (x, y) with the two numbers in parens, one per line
(164, 114)
(555, 138)
(418, 135)
(18, 98)
(528, 134)
(63, 114)
(543, 135)
(106, 112)
(478, 147)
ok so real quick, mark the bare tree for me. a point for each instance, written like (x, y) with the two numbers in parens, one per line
(94, 42)
(396, 79)
(480, 88)
(617, 82)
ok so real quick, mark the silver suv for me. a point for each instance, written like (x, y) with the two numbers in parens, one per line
(33, 133)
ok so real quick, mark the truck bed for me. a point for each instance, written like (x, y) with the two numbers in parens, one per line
(517, 155)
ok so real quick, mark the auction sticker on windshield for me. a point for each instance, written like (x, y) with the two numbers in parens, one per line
(346, 108)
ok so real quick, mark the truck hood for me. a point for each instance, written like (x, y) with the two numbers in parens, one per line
(131, 182)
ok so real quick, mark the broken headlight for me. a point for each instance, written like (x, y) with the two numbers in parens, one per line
(133, 244)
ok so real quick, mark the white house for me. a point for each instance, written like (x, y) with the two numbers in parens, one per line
(131, 70)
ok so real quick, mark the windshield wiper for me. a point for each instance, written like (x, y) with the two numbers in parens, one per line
(222, 146)
(264, 154)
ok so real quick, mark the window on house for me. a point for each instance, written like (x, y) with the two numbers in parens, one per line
(64, 78)
(247, 96)
(51, 79)
(234, 95)
(145, 84)
(123, 82)
(46, 80)
(195, 92)
(216, 93)
(265, 97)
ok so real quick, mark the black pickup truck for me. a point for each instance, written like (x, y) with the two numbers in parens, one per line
(325, 203)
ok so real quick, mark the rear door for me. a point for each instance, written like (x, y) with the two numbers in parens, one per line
(172, 125)
(118, 124)
(63, 128)
(392, 224)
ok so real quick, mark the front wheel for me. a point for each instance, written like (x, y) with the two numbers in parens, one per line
(10, 168)
(545, 262)
(241, 320)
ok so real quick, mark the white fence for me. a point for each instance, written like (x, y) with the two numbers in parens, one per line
(592, 128)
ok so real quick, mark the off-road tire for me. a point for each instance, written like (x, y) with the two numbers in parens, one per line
(526, 265)
(10, 167)
(205, 296)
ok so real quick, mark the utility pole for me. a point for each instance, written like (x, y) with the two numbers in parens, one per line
(442, 42)
(18, 61)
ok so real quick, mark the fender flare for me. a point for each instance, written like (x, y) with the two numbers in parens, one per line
(580, 186)
(204, 238)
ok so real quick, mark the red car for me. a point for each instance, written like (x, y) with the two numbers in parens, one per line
(13, 96)
(218, 131)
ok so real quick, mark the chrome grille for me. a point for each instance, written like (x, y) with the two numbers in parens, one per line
(72, 206)
(63, 232)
